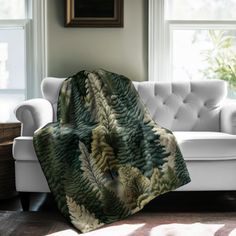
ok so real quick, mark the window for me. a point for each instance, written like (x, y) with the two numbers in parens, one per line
(20, 25)
(191, 39)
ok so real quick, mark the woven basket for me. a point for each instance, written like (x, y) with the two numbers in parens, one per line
(7, 171)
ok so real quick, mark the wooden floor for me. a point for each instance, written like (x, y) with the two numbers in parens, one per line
(15, 223)
(44, 218)
(173, 201)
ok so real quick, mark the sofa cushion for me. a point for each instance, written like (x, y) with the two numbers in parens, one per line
(194, 146)
(207, 145)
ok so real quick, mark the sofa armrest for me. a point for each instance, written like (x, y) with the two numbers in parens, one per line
(228, 117)
(33, 114)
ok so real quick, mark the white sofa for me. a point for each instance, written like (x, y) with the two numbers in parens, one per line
(202, 119)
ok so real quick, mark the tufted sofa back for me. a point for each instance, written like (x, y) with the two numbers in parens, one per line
(184, 106)
(178, 106)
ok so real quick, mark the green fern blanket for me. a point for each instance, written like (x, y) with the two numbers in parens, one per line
(105, 158)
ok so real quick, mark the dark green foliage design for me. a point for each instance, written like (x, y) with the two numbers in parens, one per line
(105, 158)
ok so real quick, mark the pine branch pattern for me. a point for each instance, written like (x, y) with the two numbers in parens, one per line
(105, 158)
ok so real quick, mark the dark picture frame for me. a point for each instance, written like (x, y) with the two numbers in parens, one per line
(94, 13)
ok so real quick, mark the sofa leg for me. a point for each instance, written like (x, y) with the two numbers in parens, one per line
(25, 200)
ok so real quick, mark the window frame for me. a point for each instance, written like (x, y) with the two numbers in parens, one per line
(160, 41)
(37, 47)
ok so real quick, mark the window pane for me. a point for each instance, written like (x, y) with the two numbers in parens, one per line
(12, 9)
(205, 54)
(12, 58)
(8, 102)
(200, 9)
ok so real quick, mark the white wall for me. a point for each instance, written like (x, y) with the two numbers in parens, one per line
(121, 50)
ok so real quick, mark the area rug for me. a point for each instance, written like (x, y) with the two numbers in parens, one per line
(141, 224)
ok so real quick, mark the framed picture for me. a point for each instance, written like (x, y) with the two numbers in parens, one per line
(94, 13)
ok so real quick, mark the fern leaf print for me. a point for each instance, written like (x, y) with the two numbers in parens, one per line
(105, 158)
